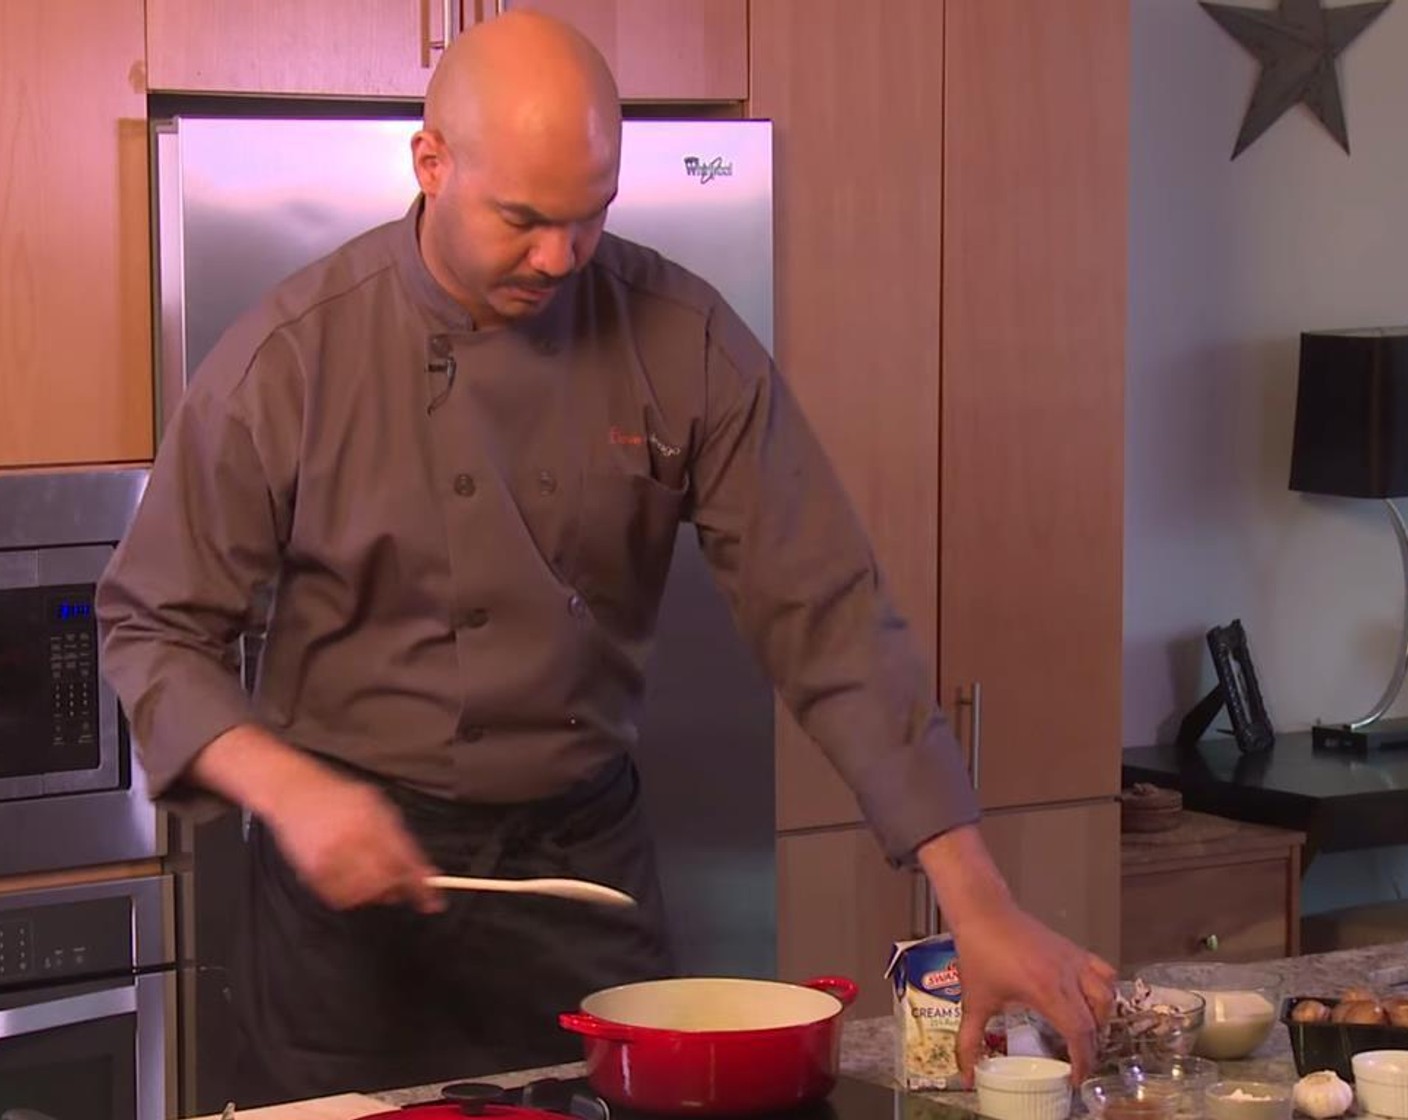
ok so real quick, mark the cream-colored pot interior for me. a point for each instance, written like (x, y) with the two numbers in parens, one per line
(710, 1004)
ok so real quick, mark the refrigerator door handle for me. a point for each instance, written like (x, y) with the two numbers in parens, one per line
(170, 254)
(70, 1012)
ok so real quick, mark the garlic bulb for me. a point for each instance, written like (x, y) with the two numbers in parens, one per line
(1322, 1095)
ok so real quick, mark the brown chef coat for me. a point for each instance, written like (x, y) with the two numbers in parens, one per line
(469, 532)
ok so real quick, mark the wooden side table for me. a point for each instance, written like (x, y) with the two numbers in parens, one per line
(1211, 888)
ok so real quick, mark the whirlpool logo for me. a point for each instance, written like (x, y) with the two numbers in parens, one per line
(707, 169)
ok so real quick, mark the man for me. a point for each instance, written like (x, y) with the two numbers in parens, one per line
(466, 572)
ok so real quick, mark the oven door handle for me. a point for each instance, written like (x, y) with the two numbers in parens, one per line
(17, 1021)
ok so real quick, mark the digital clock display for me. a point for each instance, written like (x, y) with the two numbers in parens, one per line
(70, 610)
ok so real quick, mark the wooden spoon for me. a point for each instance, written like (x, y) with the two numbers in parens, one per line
(578, 889)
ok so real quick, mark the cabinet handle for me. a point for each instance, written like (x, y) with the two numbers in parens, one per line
(1209, 943)
(974, 703)
(925, 919)
(448, 25)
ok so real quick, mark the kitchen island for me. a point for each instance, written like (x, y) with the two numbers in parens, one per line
(867, 1045)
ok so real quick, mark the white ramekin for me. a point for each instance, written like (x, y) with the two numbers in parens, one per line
(1012, 1088)
(1381, 1082)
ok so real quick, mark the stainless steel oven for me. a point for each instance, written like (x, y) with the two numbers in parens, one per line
(87, 993)
(69, 794)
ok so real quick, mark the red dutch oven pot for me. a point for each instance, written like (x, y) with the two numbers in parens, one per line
(716, 1046)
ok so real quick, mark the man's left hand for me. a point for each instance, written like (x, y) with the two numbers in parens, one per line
(1007, 956)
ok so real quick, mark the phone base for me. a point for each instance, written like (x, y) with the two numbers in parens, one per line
(1382, 734)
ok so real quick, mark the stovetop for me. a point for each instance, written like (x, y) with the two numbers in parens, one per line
(850, 1100)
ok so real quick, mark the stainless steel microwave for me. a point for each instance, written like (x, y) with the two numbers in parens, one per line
(69, 793)
(59, 721)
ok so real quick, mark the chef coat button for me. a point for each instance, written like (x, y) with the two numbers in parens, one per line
(464, 485)
(476, 618)
(547, 482)
(471, 734)
(578, 606)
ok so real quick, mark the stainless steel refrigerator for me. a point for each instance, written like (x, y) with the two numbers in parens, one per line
(239, 204)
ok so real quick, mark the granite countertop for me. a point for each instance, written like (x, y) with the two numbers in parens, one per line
(867, 1045)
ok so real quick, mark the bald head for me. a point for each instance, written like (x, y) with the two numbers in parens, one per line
(520, 83)
(518, 161)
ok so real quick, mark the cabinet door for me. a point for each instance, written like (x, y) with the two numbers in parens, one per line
(75, 314)
(1036, 145)
(1063, 866)
(682, 50)
(840, 906)
(1242, 911)
(353, 48)
(857, 205)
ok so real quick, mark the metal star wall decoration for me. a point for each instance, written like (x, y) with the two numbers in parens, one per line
(1297, 46)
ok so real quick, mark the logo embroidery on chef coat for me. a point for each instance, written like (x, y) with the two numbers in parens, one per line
(624, 439)
(631, 439)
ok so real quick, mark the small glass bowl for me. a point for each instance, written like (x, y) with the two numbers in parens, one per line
(1115, 1097)
(1248, 1100)
(1185, 1078)
(1167, 1029)
(1242, 1003)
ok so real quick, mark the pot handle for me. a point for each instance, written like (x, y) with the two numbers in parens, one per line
(838, 986)
(592, 1027)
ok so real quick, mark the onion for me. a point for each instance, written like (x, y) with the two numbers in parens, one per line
(1310, 1011)
(1364, 1011)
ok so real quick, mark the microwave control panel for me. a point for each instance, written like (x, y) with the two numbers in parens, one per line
(73, 669)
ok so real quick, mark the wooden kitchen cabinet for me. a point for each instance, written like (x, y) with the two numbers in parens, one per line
(348, 48)
(1031, 535)
(840, 906)
(684, 50)
(950, 254)
(676, 50)
(857, 203)
(1063, 863)
(1211, 888)
(75, 313)
(951, 292)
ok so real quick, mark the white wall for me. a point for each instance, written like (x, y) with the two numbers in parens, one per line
(1229, 261)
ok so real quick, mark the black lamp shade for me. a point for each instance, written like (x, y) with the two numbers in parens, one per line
(1351, 435)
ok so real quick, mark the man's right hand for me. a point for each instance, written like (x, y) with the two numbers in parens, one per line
(349, 846)
(344, 839)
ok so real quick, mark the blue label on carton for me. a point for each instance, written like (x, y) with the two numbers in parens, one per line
(930, 966)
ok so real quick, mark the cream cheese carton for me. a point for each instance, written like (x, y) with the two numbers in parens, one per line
(928, 1011)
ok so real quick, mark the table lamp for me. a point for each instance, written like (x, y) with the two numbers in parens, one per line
(1351, 441)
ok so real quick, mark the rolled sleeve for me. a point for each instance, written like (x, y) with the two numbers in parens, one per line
(180, 588)
(787, 548)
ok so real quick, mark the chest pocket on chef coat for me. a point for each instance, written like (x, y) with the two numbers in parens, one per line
(625, 539)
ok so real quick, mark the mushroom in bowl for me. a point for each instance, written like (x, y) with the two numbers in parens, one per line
(1150, 1022)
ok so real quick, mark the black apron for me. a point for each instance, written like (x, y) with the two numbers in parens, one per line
(384, 997)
